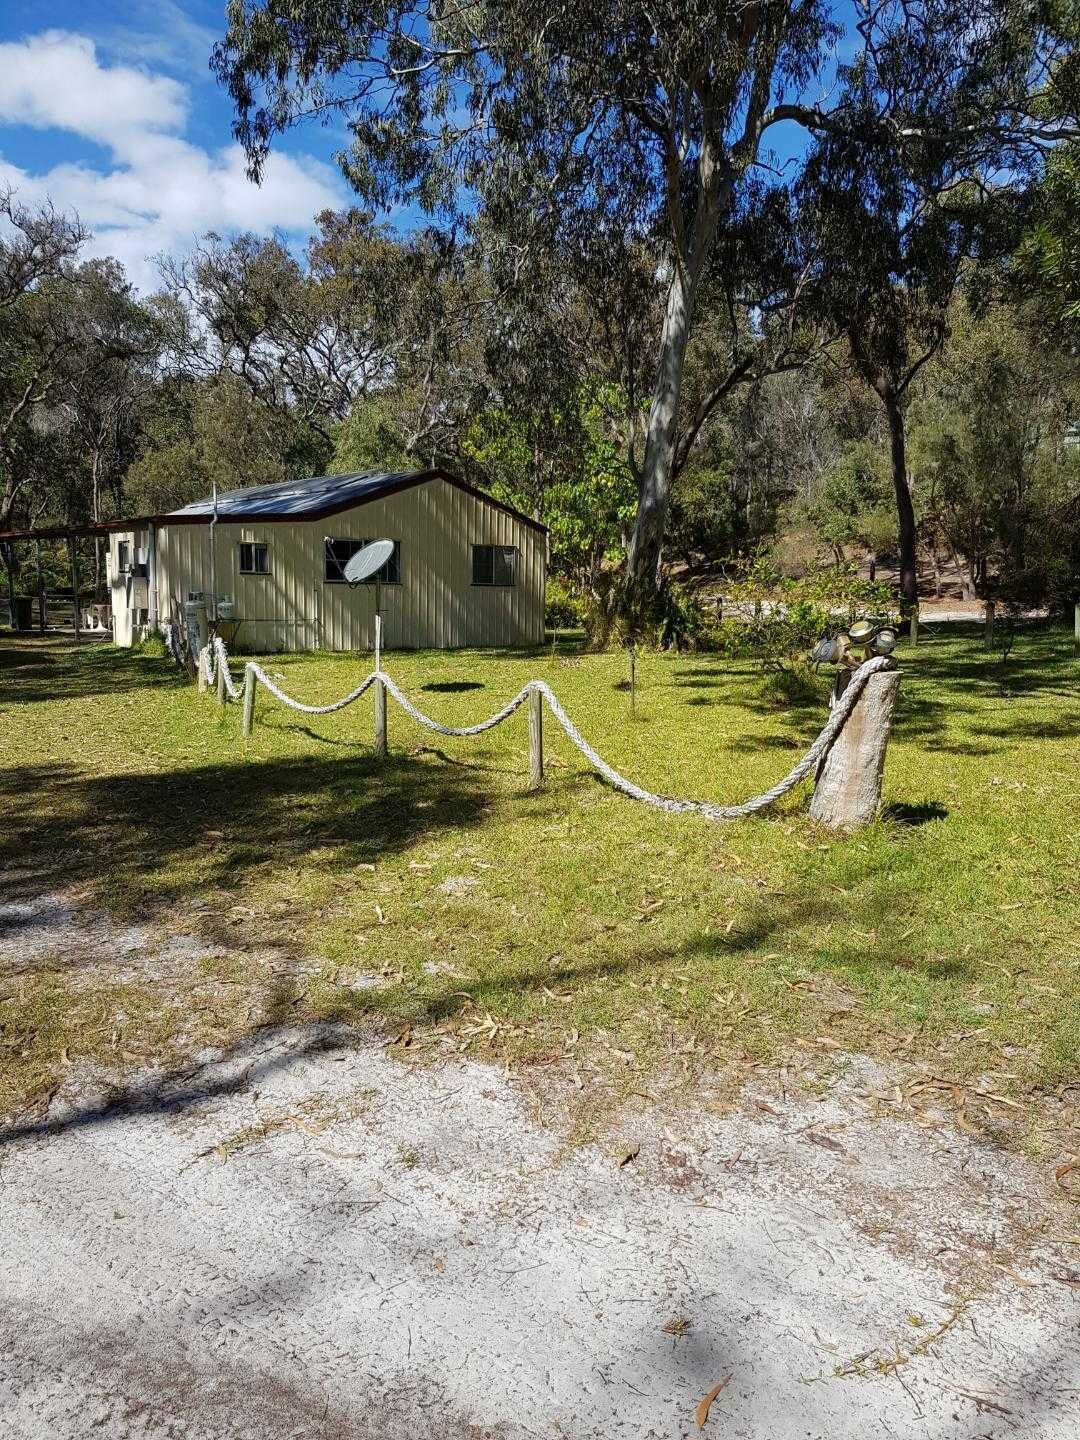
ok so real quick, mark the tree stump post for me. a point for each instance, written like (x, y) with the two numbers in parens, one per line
(536, 740)
(848, 789)
(249, 700)
(380, 718)
(222, 693)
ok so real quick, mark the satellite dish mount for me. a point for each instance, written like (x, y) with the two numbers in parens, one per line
(367, 562)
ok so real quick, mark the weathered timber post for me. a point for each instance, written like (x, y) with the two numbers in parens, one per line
(991, 616)
(848, 789)
(222, 693)
(380, 717)
(536, 740)
(74, 559)
(1076, 627)
(249, 700)
(41, 589)
(200, 674)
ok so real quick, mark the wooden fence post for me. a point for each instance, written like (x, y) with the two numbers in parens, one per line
(536, 740)
(200, 675)
(380, 718)
(848, 789)
(41, 590)
(222, 693)
(249, 700)
(74, 559)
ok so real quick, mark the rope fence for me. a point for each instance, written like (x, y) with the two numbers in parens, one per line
(214, 672)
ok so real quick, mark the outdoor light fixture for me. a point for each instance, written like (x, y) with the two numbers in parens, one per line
(852, 647)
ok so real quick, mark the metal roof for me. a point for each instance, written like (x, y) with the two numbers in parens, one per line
(302, 497)
(292, 500)
(323, 495)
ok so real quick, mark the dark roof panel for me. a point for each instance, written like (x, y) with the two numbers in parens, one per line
(301, 497)
(324, 495)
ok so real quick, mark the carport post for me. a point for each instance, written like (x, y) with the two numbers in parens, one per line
(40, 588)
(74, 587)
(536, 740)
(380, 718)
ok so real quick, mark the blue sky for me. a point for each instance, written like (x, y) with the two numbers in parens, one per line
(108, 107)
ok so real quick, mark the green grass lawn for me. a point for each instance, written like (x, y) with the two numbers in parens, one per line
(574, 922)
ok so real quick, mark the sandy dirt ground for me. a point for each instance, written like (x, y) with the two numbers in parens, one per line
(309, 1238)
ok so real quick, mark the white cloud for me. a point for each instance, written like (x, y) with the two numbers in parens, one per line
(160, 191)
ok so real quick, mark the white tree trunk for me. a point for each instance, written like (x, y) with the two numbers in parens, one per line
(848, 790)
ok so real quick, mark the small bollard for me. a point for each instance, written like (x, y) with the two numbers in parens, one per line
(380, 718)
(249, 700)
(222, 693)
(536, 740)
(200, 672)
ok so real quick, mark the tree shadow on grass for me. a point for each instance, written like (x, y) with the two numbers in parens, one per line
(33, 673)
(273, 1039)
(148, 843)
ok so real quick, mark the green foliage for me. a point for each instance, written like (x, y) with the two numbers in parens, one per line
(989, 429)
(855, 503)
(585, 492)
(369, 439)
(563, 609)
(781, 618)
(218, 431)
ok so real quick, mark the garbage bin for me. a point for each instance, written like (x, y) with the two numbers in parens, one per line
(24, 612)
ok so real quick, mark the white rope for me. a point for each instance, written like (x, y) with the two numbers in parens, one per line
(288, 700)
(799, 771)
(488, 724)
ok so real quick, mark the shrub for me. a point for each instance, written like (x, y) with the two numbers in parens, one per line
(563, 610)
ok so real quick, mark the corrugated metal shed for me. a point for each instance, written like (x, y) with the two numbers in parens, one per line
(295, 602)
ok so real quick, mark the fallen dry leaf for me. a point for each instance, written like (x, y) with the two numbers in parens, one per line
(628, 1152)
(825, 1141)
(1062, 1171)
(701, 1414)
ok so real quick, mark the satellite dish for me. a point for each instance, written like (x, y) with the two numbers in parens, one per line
(367, 561)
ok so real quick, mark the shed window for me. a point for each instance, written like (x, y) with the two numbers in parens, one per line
(340, 552)
(494, 565)
(254, 558)
(123, 556)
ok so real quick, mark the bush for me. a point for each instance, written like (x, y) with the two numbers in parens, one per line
(563, 610)
(153, 647)
(795, 685)
(781, 618)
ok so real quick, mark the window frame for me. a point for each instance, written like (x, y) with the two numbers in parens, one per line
(253, 546)
(494, 583)
(395, 560)
(123, 556)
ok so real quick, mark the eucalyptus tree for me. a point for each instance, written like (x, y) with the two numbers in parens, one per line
(946, 120)
(644, 118)
(37, 250)
(609, 120)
